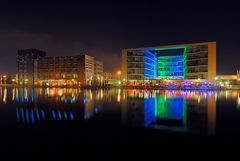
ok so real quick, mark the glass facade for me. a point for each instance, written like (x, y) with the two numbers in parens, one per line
(171, 67)
(149, 65)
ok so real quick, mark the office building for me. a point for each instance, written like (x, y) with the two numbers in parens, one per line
(27, 64)
(107, 78)
(69, 70)
(173, 62)
(98, 72)
(60, 70)
(86, 75)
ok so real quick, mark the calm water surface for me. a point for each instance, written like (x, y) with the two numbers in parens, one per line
(53, 117)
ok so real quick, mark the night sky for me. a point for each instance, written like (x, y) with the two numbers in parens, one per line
(103, 28)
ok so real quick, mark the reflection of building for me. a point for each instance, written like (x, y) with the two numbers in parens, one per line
(28, 65)
(184, 61)
(54, 104)
(170, 111)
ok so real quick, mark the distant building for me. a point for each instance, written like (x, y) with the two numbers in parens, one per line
(69, 70)
(35, 68)
(173, 62)
(238, 74)
(60, 70)
(107, 78)
(28, 65)
(229, 81)
(98, 72)
(3, 78)
(112, 78)
(86, 74)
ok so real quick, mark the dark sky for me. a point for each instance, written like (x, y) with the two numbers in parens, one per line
(103, 28)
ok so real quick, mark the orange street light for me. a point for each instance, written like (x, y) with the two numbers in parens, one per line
(119, 72)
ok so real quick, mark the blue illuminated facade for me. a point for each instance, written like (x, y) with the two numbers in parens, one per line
(150, 62)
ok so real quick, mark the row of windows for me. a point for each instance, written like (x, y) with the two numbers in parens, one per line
(170, 73)
(135, 59)
(197, 56)
(135, 71)
(171, 64)
(135, 77)
(197, 76)
(135, 65)
(135, 53)
(172, 68)
(160, 59)
(197, 62)
(59, 75)
(197, 69)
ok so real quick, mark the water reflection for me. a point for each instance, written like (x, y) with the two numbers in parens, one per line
(180, 111)
(192, 111)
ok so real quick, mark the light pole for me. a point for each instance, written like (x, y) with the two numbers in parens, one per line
(119, 73)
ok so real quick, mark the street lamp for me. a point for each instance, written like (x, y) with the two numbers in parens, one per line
(119, 72)
(119, 76)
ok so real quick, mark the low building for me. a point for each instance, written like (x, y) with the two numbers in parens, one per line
(113, 79)
(107, 78)
(228, 81)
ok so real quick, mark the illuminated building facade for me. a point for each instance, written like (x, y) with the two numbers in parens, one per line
(63, 70)
(112, 79)
(35, 68)
(107, 78)
(27, 64)
(86, 75)
(69, 70)
(98, 72)
(173, 62)
(228, 81)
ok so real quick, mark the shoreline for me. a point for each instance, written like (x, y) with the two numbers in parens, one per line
(122, 87)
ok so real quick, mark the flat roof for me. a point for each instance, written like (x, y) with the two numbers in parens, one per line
(175, 46)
